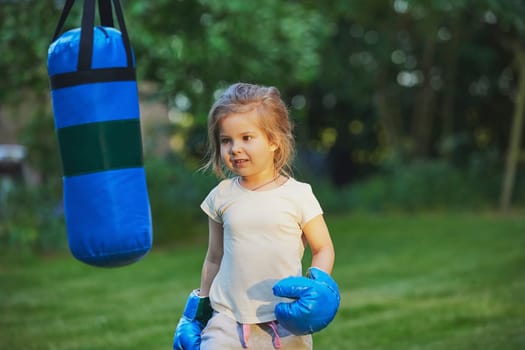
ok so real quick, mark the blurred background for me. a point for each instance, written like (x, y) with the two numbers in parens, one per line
(399, 106)
(409, 125)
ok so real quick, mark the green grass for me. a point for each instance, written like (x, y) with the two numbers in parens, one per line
(407, 282)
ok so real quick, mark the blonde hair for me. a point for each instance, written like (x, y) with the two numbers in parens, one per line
(273, 117)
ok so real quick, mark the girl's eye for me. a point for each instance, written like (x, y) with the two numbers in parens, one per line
(225, 141)
(248, 138)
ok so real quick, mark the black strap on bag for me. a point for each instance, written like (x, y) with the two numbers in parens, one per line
(104, 9)
(85, 74)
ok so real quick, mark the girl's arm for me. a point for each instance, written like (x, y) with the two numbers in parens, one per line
(198, 309)
(213, 257)
(317, 295)
(318, 237)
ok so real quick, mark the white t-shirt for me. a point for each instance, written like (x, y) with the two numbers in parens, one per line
(263, 243)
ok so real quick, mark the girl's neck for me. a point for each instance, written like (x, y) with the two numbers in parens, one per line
(261, 184)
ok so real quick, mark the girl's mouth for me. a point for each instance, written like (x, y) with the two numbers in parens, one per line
(239, 162)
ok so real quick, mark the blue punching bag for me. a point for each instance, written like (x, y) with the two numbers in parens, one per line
(96, 108)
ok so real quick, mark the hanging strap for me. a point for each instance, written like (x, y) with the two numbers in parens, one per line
(104, 10)
(85, 52)
(65, 12)
(123, 31)
(87, 25)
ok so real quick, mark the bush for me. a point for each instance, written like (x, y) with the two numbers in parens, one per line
(176, 192)
(32, 219)
(423, 185)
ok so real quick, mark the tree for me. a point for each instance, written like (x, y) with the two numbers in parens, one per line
(195, 48)
(27, 28)
(512, 25)
(365, 80)
(516, 131)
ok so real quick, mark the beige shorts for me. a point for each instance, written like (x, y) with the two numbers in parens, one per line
(224, 333)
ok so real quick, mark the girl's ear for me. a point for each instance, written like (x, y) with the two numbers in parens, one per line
(273, 142)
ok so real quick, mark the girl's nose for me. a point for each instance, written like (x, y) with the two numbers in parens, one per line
(235, 148)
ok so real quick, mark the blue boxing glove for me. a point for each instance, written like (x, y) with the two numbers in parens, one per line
(317, 300)
(196, 315)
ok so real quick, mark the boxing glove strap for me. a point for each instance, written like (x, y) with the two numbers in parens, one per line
(198, 308)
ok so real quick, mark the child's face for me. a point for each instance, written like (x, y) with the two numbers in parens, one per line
(245, 149)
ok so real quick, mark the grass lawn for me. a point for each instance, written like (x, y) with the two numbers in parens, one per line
(407, 282)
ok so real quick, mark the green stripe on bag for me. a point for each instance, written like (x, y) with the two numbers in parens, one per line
(94, 147)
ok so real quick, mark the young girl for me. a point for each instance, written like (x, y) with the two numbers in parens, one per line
(260, 219)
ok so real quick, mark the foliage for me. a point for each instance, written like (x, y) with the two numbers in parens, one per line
(26, 33)
(408, 101)
(412, 73)
(420, 186)
(32, 219)
(42, 150)
(175, 194)
(196, 47)
(417, 73)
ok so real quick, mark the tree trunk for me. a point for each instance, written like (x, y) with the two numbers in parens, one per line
(423, 118)
(511, 164)
(388, 115)
(450, 77)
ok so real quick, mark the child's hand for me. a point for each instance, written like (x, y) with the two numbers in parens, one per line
(196, 315)
(317, 300)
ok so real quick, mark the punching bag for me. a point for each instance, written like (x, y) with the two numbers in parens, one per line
(96, 110)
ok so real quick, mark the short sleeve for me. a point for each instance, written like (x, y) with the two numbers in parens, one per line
(210, 205)
(310, 207)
